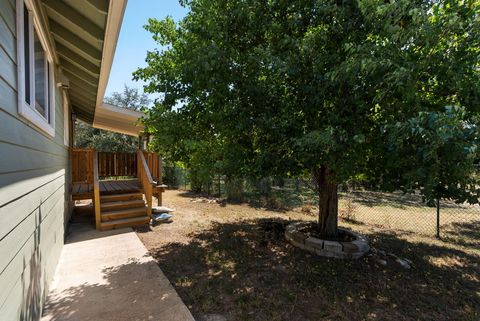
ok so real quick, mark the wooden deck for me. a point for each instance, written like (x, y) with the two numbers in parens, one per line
(82, 191)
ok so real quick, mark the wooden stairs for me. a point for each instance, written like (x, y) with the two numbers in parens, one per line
(120, 203)
(122, 210)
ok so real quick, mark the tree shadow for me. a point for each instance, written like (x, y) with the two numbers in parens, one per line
(465, 234)
(33, 289)
(351, 221)
(278, 201)
(120, 295)
(190, 194)
(33, 278)
(245, 271)
(281, 199)
(396, 199)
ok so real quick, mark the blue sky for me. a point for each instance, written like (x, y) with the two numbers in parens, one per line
(134, 41)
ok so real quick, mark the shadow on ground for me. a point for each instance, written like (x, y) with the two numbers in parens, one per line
(246, 271)
(279, 200)
(90, 302)
(465, 234)
(395, 199)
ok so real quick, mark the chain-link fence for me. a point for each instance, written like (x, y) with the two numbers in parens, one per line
(358, 205)
(409, 213)
(180, 178)
(176, 177)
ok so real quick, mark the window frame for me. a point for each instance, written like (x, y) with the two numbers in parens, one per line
(28, 111)
(66, 120)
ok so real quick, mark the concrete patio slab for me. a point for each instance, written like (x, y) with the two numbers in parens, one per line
(110, 276)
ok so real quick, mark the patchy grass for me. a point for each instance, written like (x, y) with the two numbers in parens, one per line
(395, 211)
(222, 260)
(403, 212)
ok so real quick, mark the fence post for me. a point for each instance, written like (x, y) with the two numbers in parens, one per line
(438, 217)
(185, 177)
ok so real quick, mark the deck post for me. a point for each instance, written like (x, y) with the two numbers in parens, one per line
(146, 180)
(96, 191)
(160, 190)
(438, 218)
(160, 181)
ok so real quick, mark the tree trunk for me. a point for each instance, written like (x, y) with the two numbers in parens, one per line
(327, 202)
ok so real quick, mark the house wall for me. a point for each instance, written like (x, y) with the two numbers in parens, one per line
(34, 200)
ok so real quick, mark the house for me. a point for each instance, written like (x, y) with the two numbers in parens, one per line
(55, 60)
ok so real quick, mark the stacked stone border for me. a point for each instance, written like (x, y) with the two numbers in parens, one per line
(341, 250)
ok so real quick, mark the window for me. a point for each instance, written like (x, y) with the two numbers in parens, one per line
(36, 100)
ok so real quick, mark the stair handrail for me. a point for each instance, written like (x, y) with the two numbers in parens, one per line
(146, 180)
(96, 190)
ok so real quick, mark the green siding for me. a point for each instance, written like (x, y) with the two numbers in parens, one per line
(9, 69)
(7, 32)
(34, 200)
(8, 15)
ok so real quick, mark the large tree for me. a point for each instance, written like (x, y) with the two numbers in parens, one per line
(130, 98)
(107, 141)
(333, 88)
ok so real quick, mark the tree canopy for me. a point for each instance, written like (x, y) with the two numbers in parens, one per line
(333, 88)
(130, 98)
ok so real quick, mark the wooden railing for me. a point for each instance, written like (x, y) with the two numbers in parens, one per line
(114, 164)
(96, 190)
(146, 180)
(82, 165)
(117, 164)
(154, 164)
(88, 166)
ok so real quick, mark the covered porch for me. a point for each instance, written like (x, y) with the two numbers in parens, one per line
(117, 172)
(120, 185)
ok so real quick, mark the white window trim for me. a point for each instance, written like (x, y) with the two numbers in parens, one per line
(30, 113)
(66, 120)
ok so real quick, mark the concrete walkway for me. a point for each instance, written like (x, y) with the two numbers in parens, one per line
(109, 276)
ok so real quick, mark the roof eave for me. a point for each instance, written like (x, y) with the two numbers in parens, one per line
(120, 120)
(116, 12)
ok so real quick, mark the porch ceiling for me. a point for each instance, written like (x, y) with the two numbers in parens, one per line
(117, 119)
(84, 34)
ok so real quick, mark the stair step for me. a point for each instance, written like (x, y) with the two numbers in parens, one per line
(121, 197)
(122, 204)
(112, 215)
(126, 222)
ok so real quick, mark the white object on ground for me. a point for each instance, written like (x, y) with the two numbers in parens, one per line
(403, 263)
(162, 209)
(162, 217)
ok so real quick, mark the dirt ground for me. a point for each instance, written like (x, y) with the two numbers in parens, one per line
(230, 262)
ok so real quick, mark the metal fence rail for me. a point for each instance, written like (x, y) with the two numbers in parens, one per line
(400, 212)
(373, 209)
